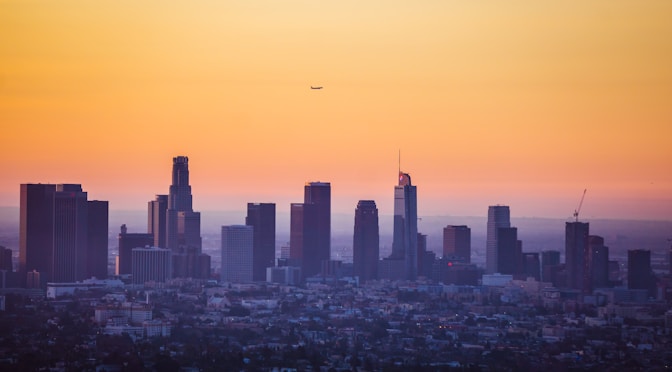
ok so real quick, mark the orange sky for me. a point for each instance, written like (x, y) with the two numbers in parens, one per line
(525, 103)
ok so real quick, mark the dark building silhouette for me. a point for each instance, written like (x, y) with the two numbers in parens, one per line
(550, 261)
(499, 216)
(127, 242)
(598, 262)
(576, 252)
(366, 241)
(303, 238)
(261, 216)
(6, 259)
(36, 231)
(156, 219)
(319, 194)
(452, 270)
(531, 266)
(640, 275)
(183, 226)
(424, 257)
(509, 253)
(59, 231)
(404, 240)
(97, 239)
(7, 275)
(457, 242)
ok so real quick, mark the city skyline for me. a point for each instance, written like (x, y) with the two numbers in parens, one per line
(523, 104)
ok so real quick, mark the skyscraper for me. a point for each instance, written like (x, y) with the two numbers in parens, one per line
(366, 241)
(261, 216)
(509, 255)
(499, 216)
(183, 225)
(54, 232)
(36, 230)
(303, 238)
(531, 265)
(237, 253)
(156, 219)
(405, 241)
(576, 251)
(319, 194)
(640, 275)
(457, 242)
(598, 263)
(550, 261)
(97, 239)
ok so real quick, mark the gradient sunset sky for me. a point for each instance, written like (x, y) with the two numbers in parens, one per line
(524, 103)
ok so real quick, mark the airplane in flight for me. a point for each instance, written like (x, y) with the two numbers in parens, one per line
(312, 87)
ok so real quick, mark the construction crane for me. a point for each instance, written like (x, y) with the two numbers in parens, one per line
(577, 210)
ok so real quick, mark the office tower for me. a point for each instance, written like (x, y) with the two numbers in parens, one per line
(156, 219)
(404, 241)
(59, 230)
(457, 242)
(576, 250)
(598, 263)
(261, 216)
(640, 275)
(6, 259)
(319, 194)
(499, 216)
(509, 255)
(237, 248)
(421, 255)
(151, 264)
(531, 265)
(70, 234)
(550, 260)
(303, 238)
(127, 242)
(366, 241)
(36, 230)
(97, 238)
(6, 268)
(182, 223)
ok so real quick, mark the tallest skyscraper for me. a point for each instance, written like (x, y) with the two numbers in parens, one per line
(183, 224)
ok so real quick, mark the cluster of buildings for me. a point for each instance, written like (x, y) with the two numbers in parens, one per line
(63, 238)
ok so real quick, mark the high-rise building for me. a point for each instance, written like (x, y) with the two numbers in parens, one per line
(499, 216)
(531, 265)
(6, 259)
(36, 231)
(183, 225)
(550, 261)
(576, 251)
(97, 239)
(261, 216)
(126, 243)
(237, 248)
(55, 224)
(509, 255)
(70, 234)
(457, 242)
(598, 263)
(156, 219)
(366, 241)
(319, 194)
(151, 264)
(404, 240)
(640, 275)
(303, 238)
